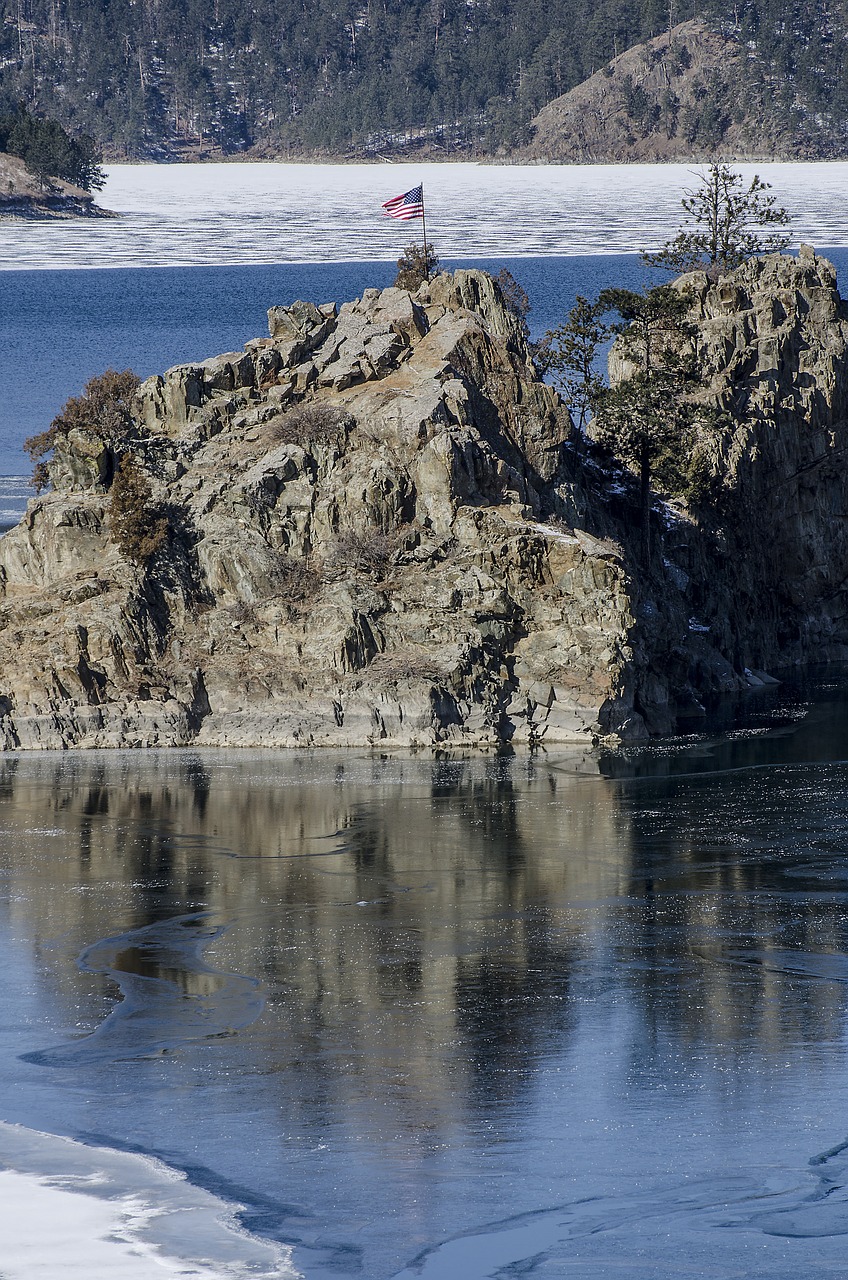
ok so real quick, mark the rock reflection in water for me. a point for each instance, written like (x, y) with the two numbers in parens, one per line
(494, 987)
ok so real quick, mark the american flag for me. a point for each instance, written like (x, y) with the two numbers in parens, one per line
(406, 207)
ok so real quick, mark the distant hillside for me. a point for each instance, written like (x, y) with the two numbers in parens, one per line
(359, 79)
(689, 94)
(190, 79)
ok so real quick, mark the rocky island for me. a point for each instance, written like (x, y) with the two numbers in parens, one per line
(379, 527)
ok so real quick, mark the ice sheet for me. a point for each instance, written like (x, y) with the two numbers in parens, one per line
(80, 1212)
(219, 214)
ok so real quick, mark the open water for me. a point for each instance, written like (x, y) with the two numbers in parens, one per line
(340, 1015)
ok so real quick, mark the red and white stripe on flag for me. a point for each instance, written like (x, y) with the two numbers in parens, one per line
(406, 207)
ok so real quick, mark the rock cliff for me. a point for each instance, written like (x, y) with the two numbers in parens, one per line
(383, 530)
(773, 557)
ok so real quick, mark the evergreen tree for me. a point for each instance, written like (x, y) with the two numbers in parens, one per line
(569, 353)
(727, 223)
(366, 76)
(143, 74)
(49, 151)
(652, 418)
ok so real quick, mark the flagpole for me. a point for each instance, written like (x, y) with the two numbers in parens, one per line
(424, 233)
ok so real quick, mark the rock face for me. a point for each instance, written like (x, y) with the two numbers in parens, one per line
(774, 338)
(383, 531)
(688, 94)
(368, 545)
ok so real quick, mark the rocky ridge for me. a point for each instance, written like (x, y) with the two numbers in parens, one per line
(773, 338)
(384, 531)
(687, 95)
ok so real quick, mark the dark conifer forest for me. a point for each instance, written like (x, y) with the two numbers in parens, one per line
(48, 149)
(169, 78)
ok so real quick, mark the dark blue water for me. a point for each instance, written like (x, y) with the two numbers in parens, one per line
(59, 328)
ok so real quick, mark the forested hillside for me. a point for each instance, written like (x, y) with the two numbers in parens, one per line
(161, 78)
(691, 94)
(140, 75)
(797, 64)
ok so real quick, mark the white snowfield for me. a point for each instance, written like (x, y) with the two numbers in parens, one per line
(85, 1213)
(237, 214)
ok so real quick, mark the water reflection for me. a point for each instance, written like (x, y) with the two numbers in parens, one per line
(411, 902)
(491, 986)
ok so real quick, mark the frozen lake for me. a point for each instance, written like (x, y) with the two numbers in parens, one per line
(230, 214)
(440, 1019)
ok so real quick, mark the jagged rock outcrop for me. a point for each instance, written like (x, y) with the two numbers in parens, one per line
(383, 531)
(773, 338)
(368, 545)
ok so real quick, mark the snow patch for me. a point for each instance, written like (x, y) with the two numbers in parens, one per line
(117, 1214)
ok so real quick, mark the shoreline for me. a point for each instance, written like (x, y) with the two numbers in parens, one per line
(53, 209)
(486, 162)
(517, 161)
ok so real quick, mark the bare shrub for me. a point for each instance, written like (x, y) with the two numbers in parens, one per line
(242, 611)
(369, 554)
(40, 477)
(104, 409)
(415, 265)
(295, 581)
(137, 524)
(407, 664)
(560, 524)
(314, 423)
(514, 296)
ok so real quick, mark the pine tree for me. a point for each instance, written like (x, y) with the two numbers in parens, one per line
(727, 223)
(569, 353)
(651, 419)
